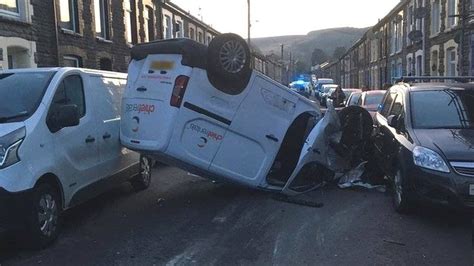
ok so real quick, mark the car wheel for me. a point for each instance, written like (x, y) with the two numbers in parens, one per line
(44, 217)
(402, 201)
(143, 180)
(229, 60)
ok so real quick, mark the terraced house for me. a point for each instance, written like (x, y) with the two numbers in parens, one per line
(95, 34)
(418, 37)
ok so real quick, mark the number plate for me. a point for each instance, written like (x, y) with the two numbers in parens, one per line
(162, 65)
(471, 190)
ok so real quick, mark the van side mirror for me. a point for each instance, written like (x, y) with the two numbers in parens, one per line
(393, 121)
(65, 116)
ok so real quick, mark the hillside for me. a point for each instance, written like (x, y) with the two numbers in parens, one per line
(302, 46)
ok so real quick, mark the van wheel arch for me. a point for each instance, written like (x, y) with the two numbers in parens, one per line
(54, 181)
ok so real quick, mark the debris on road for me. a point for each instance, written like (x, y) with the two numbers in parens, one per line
(298, 201)
(394, 242)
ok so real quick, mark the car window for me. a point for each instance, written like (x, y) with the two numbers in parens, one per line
(70, 91)
(387, 103)
(373, 99)
(454, 109)
(359, 101)
(397, 107)
(354, 99)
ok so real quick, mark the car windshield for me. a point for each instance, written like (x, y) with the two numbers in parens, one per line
(454, 109)
(326, 89)
(21, 93)
(373, 99)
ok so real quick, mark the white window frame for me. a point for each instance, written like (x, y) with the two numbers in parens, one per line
(104, 34)
(11, 13)
(451, 21)
(73, 58)
(128, 21)
(73, 20)
(168, 27)
(435, 16)
(145, 24)
(451, 64)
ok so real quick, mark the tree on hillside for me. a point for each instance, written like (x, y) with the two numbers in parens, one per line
(301, 67)
(318, 57)
(339, 52)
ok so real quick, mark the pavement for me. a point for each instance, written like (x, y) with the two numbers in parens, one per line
(184, 220)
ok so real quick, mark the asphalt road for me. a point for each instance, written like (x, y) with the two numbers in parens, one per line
(184, 220)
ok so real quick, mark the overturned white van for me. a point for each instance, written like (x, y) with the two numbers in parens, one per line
(204, 110)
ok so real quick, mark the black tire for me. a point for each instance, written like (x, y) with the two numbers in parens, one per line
(403, 201)
(44, 217)
(143, 180)
(229, 59)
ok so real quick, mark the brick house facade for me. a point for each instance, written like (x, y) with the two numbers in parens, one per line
(418, 37)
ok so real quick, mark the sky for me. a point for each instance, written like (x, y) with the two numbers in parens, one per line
(293, 17)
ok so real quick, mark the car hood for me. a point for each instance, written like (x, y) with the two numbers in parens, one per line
(8, 128)
(455, 144)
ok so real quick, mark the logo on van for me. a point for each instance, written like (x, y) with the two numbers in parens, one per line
(140, 108)
(204, 131)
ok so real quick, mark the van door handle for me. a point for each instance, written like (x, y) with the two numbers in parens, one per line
(272, 137)
(106, 136)
(90, 139)
(141, 89)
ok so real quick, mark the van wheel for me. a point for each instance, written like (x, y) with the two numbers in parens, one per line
(229, 57)
(44, 216)
(402, 201)
(143, 180)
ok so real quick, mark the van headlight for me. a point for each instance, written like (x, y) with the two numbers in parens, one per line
(9, 145)
(429, 159)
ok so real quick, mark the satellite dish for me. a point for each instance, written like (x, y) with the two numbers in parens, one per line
(416, 35)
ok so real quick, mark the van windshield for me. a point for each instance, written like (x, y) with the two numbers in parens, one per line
(21, 93)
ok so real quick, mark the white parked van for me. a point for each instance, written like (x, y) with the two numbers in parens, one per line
(204, 110)
(59, 145)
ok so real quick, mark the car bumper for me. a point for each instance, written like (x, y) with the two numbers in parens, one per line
(443, 188)
(13, 208)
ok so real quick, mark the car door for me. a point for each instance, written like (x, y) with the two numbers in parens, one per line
(396, 137)
(76, 148)
(382, 135)
(108, 93)
(255, 135)
(203, 120)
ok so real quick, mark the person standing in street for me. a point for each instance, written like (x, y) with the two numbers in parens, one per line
(338, 97)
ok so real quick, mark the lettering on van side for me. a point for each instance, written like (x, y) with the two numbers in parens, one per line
(204, 131)
(155, 77)
(140, 108)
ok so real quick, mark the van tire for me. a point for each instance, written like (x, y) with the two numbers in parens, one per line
(229, 58)
(143, 180)
(43, 217)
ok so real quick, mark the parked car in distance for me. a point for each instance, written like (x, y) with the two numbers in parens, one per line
(59, 146)
(371, 100)
(326, 92)
(424, 140)
(185, 105)
(318, 86)
(353, 99)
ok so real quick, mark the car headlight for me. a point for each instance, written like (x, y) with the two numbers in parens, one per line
(9, 145)
(429, 159)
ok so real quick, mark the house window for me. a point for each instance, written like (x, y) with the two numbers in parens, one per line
(150, 23)
(451, 62)
(10, 6)
(179, 30)
(68, 15)
(72, 61)
(209, 40)
(128, 20)
(200, 37)
(101, 8)
(192, 34)
(410, 67)
(434, 63)
(452, 12)
(167, 27)
(435, 17)
(419, 65)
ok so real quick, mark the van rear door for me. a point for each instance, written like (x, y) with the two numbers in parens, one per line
(147, 116)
